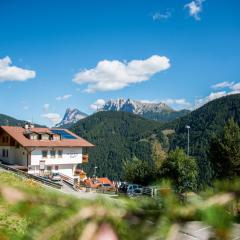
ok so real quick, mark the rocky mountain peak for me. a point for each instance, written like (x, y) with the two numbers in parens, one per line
(72, 115)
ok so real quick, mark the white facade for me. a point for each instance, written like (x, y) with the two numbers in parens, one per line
(51, 149)
(64, 163)
(15, 155)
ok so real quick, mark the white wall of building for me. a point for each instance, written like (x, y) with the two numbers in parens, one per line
(66, 169)
(66, 164)
(16, 156)
(69, 155)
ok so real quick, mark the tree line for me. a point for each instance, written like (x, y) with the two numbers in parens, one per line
(223, 157)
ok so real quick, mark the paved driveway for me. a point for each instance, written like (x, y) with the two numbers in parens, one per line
(81, 194)
(199, 231)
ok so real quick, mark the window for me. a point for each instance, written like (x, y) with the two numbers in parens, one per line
(44, 154)
(44, 137)
(56, 167)
(5, 139)
(49, 168)
(60, 153)
(85, 151)
(5, 153)
(53, 153)
(33, 136)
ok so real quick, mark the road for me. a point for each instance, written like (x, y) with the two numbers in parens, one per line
(70, 191)
(199, 231)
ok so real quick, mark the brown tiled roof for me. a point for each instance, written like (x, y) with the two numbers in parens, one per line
(41, 130)
(17, 133)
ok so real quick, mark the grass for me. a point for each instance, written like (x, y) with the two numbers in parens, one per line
(30, 211)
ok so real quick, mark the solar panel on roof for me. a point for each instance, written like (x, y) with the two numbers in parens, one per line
(63, 134)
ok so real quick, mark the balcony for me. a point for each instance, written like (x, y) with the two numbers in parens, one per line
(85, 158)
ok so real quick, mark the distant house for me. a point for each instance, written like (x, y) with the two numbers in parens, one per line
(97, 182)
(43, 149)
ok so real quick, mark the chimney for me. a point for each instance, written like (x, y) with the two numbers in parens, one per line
(26, 126)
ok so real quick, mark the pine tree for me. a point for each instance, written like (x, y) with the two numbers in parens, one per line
(225, 151)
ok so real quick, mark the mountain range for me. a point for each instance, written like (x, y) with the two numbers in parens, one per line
(133, 106)
(153, 111)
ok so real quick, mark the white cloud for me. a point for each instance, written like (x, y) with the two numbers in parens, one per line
(161, 16)
(114, 75)
(13, 73)
(232, 88)
(54, 118)
(236, 87)
(175, 103)
(194, 8)
(64, 97)
(148, 101)
(46, 107)
(98, 104)
(223, 85)
(181, 102)
(212, 96)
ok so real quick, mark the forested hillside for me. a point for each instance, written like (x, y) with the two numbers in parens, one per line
(206, 123)
(118, 136)
(10, 121)
(165, 116)
(7, 120)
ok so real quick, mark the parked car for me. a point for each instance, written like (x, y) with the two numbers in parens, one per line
(136, 192)
(132, 187)
(128, 188)
(123, 188)
(55, 177)
(45, 177)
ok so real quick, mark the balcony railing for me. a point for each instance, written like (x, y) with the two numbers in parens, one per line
(85, 158)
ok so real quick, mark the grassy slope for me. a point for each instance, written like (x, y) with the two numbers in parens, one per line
(29, 211)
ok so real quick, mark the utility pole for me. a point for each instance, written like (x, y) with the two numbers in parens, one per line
(188, 138)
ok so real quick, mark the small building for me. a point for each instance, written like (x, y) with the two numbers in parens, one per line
(42, 150)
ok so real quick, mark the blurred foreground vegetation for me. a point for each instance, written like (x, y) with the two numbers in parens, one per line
(29, 211)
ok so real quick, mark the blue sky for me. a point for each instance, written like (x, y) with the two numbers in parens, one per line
(59, 54)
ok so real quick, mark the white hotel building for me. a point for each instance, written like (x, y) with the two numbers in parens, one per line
(42, 149)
